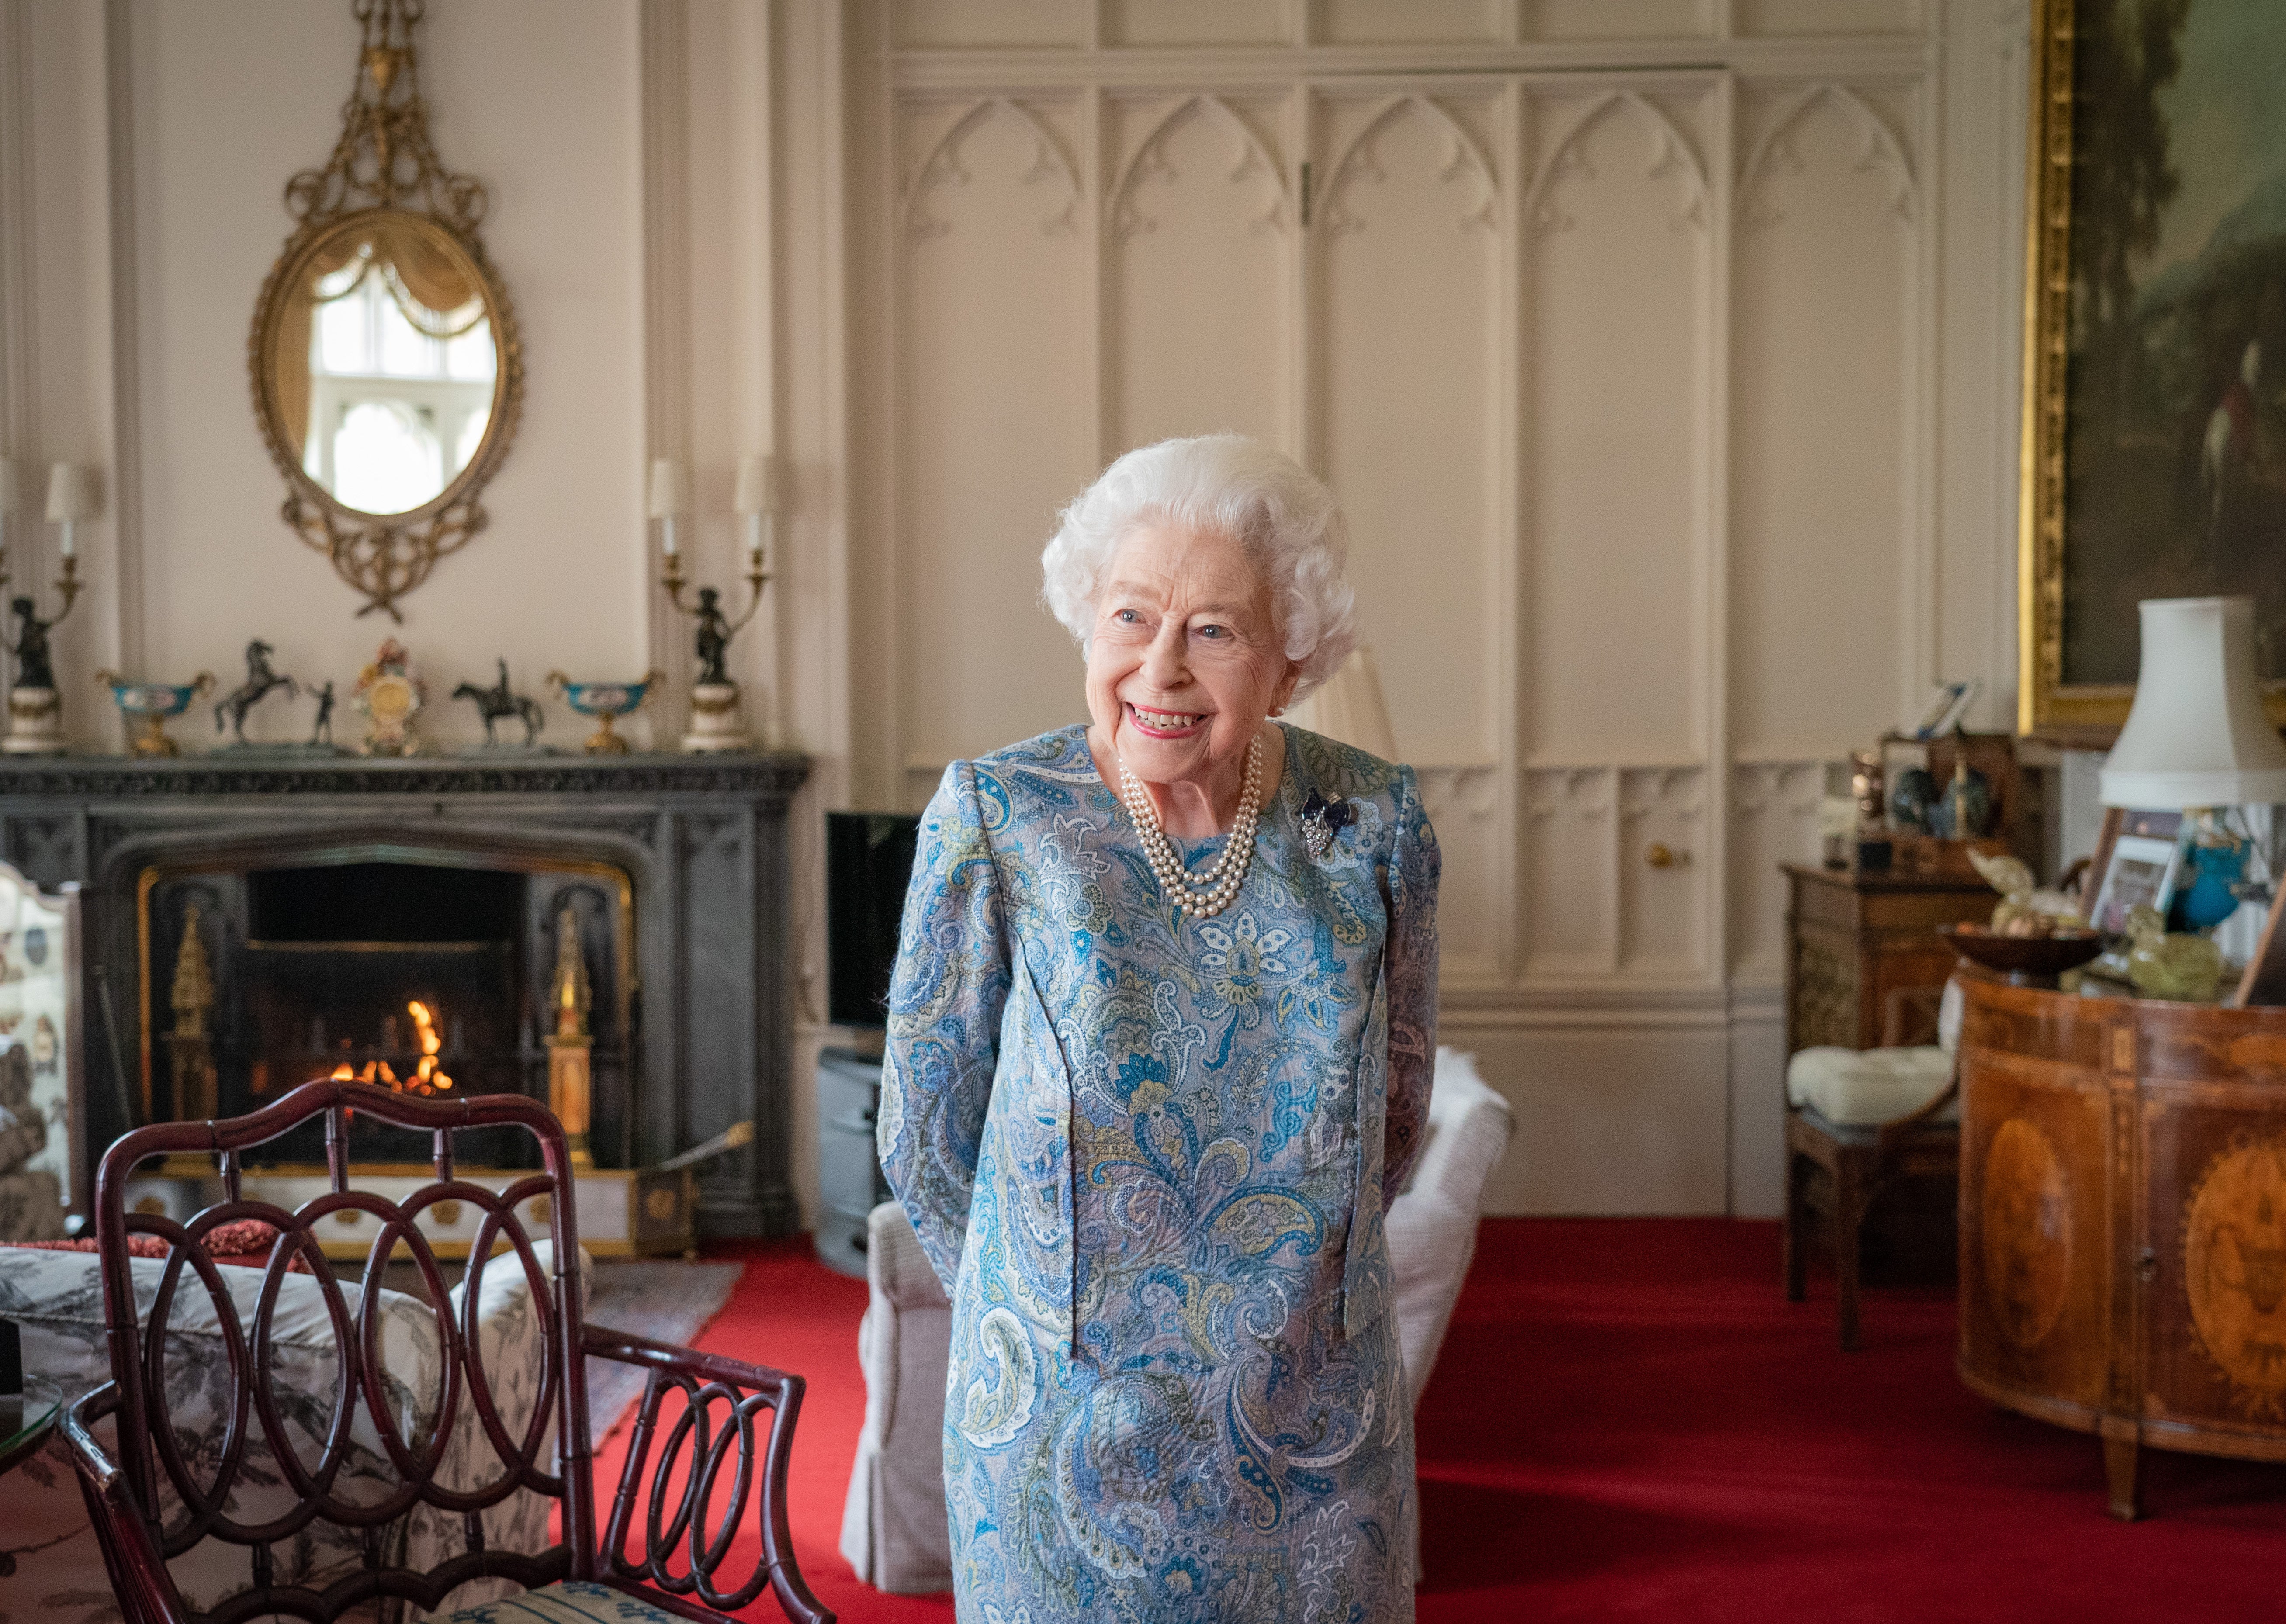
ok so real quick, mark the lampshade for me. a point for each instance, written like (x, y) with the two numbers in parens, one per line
(2196, 734)
(12, 491)
(71, 493)
(1350, 708)
(758, 485)
(670, 488)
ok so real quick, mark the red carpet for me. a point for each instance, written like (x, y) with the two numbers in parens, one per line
(1629, 1421)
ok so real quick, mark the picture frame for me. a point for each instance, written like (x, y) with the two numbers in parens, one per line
(2147, 306)
(2139, 861)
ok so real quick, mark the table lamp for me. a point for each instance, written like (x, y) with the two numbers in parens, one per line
(1348, 706)
(2197, 736)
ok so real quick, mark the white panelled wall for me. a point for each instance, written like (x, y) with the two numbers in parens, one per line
(1618, 328)
(1661, 352)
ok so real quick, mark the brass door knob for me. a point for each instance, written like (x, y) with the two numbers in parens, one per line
(1666, 857)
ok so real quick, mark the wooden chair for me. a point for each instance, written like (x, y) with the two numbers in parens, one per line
(1858, 1160)
(148, 1506)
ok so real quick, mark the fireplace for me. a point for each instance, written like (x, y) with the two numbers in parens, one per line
(341, 890)
(424, 972)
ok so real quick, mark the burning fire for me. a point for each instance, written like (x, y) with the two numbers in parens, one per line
(426, 1078)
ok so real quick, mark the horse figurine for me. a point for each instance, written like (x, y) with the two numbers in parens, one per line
(497, 702)
(259, 680)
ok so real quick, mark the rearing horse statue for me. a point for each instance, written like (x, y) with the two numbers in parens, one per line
(259, 680)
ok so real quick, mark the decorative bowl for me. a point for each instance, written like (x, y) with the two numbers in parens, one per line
(2026, 961)
(605, 701)
(147, 705)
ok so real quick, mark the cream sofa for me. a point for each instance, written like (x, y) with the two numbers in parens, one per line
(55, 1299)
(892, 1523)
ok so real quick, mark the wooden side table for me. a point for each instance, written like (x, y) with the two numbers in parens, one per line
(1853, 939)
(1861, 955)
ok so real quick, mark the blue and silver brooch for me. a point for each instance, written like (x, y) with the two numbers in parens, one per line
(1321, 820)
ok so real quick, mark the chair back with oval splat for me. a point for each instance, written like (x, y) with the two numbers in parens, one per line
(351, 1439)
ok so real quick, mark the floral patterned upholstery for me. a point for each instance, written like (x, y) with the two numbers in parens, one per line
(574, 1601)
(56, 1299)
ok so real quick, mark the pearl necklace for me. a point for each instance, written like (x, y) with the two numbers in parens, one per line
(1216, 889)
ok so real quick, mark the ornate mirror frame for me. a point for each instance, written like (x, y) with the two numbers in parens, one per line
(383, 162)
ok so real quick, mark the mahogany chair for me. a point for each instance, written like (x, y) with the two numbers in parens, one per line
(682, 1510)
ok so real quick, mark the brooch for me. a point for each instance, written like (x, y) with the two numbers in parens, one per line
(1321, 820)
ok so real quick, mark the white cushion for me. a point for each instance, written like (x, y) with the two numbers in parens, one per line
(1865, 1087)
(1432, 1225)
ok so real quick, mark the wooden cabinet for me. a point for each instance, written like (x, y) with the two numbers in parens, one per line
(1853, 939)
(2123, 1220)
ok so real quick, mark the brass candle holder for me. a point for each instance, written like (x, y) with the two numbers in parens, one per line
(35, 710)
(715, 723)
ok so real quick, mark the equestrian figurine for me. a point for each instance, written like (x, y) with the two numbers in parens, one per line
(499, 700)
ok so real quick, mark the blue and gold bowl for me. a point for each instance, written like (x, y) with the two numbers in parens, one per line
(606, 701)
(146, 707)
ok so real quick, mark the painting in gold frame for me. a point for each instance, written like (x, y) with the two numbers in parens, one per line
(2154, 341)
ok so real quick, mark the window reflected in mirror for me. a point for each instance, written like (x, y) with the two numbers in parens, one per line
(385, 367)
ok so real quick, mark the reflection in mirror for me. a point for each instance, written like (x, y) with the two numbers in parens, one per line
(385, 363)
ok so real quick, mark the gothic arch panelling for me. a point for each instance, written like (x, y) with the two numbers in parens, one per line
(942, 166)
(1148, 160)
(1671, 152)
(994, 422)
(1828, 533)
(1198, 261)
(1879, 151)
(1463, 157)
(1617, 309)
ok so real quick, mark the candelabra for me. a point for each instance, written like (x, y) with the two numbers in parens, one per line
(715, 722)
(36, 710)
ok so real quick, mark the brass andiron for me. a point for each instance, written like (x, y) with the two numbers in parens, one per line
(570, 1045)
(190, 1047)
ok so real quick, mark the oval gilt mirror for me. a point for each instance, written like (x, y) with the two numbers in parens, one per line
(387, 375)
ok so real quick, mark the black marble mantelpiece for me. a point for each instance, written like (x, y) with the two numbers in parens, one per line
(702, 839)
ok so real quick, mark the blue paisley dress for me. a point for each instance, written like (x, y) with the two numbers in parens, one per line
(1148, 1155)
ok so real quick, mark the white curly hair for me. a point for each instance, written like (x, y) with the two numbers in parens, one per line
(1227, 485)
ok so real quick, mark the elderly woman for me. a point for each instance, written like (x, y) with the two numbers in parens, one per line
(1160, 1041)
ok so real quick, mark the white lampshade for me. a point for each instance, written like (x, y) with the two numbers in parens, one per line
(670, 488)
(71, 493)
(1350, 708)
(11, 490)
(758, 485)
(2198, 735)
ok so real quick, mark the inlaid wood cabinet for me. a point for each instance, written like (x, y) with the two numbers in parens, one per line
(2123, 1221)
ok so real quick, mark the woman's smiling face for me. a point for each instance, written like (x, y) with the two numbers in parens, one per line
(1185, 661)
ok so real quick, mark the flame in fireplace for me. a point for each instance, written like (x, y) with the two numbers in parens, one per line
(427, 1077)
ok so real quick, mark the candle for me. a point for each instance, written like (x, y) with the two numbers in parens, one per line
(71, 497)
(758, 485)
(670, 498)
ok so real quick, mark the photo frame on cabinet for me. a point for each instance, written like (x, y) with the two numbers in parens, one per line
(2155, 344)
(2138, 861)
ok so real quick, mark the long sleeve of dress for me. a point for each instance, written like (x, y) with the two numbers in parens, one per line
(1410, 966)
(946, 996)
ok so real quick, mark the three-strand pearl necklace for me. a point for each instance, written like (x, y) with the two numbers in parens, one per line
(1208, 894)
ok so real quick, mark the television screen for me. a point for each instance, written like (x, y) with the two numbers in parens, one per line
(869, 861)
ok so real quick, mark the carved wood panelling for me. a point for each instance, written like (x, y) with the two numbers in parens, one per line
(1773, 820)
(1618, 258)
(994, 419)
(1198, 271)
(1412, 423)
(1584, 358)
(1828, 543)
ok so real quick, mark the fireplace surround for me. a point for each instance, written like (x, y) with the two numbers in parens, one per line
(333, 894)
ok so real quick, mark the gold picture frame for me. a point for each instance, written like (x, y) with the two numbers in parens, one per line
(2051, 704)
